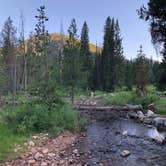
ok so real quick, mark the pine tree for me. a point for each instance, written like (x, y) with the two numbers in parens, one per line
(97, 81)
(108, 69)
(71, 65)
(119, 58)
(129, 74)
(9, 42)
(85, 58)
(141, 77)
(155, 14)
(42, 39)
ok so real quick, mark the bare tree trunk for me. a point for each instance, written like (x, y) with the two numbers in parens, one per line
(72, 95)
(23, 52)
(14, 80)
(25, 73)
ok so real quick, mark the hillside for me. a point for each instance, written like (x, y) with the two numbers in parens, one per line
(59, 37)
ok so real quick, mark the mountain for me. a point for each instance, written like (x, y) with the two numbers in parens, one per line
(61, 37)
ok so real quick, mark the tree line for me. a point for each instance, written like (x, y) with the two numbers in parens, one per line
(42, 65)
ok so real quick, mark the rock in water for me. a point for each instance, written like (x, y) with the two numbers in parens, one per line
(160, 123)
(159, 139)
(150, 114)
(140, 114)
(125, 153)
(125, 133)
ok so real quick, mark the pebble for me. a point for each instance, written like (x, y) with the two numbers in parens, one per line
(31, 143)
(75, 151)
(125, 153)
(44, 164)
(51, 154)
(38, 155)
(31, 162)
(125, 133)
(45, 150)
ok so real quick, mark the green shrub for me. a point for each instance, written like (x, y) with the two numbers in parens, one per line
(37, 118)
(128, 97)
(121, 98)
(146, 100)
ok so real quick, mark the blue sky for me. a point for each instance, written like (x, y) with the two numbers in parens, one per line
(134, 31)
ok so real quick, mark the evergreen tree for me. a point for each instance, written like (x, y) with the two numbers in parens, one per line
(85, 58)
(71, 65)
(108, 56)
(141, 77)
(9, 42)
(97, 84)
(129, 74)
(119, 58)
(42, 39)
(155, 14)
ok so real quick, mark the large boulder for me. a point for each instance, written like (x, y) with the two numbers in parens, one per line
(160, 122)
(150, 114)
(141, 115)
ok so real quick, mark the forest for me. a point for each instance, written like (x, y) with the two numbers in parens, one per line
(44, 75)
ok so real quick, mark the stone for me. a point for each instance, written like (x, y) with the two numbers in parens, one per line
(75, 151)
(33, 150)
(31, 143)
(125, 133)
(25, 144)
(31, 161)
(132, 115)
(140, 114)
(51, 154)
(160, 122)
(15, 150)
(150, 114)
(38, 156)
(125, 153)
(148, 121)
(35, 137)
(71, 161)
(45, 150)
(159, 139)
(44, 164)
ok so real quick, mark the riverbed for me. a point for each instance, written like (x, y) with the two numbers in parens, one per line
(109, 134)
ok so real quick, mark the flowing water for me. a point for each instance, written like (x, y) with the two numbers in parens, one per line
(109, 135)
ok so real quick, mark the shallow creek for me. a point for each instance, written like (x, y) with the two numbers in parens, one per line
(108, 135)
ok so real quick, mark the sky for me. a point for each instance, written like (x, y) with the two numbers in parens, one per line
(135, 32)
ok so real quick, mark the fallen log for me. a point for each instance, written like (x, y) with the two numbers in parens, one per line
(110, 108)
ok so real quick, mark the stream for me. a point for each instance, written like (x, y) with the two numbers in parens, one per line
(109, 134)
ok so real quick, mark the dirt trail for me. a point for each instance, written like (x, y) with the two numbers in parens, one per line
(45, 152)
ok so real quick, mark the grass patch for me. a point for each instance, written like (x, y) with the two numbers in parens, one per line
(7, 141)
(161, 106)
(130, 97)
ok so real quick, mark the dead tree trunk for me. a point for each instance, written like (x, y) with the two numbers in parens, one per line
(110, 108)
